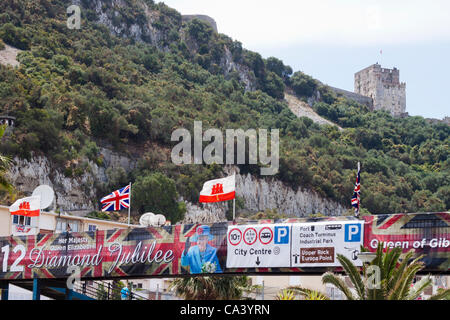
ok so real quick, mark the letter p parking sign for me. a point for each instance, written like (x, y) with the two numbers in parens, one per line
(281, 234)
(353, 232)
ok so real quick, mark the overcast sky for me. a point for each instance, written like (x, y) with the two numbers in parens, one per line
(331, 40)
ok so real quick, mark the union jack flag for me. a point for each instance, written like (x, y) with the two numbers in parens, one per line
(356, 198)
(117, 200)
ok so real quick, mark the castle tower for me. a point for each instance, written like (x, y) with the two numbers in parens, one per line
(384, 87)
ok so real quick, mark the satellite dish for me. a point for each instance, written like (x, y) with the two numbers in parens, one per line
(158, 220)
(47, 195)
(144, 220)
(150, 219)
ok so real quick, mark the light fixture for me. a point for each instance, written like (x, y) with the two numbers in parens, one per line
(366, 256)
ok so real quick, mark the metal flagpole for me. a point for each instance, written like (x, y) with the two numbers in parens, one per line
(234, 199)
(129, 206)
(234, 208)
(359, 200)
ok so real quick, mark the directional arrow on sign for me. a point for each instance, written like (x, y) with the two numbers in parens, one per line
(257, 261)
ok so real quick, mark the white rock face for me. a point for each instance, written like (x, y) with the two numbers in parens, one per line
(70, 193)
(228, 66)
(8, 56)
(268, 193)
(262, 194)
(205, 213)
(77, 194)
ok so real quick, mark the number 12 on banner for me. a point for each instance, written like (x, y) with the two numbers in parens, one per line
(14, 267)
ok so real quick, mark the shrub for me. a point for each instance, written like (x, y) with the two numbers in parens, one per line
(157, 193)
(303, 84)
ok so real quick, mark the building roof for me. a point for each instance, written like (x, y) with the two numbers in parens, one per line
(85, 219)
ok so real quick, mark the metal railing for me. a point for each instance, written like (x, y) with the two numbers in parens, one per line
(103, 290)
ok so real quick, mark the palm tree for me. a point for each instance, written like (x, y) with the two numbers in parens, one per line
(211, 288)
(285, 294)
(394, 273)
(309, 294)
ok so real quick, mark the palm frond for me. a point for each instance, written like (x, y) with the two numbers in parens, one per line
(285, 294)
(443, 294)
(401, 289)
(389, 262)
(338, 283)
(419, 287)
(309, 294)
(354, 275)
(397, 273)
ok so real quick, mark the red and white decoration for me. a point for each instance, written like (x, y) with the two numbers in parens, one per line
(218, 190)
(28, 207)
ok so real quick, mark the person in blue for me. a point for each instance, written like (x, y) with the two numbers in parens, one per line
(201, 258)
(125, 293)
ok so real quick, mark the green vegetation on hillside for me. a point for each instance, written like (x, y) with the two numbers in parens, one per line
(77, 90)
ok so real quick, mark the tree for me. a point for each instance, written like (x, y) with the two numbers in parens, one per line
(277, 66)
(394, 276)
(285, 294)
(5, 162)
(157, 193)
(211, 288)
(303, 84)
(274, 86)
(308, 294)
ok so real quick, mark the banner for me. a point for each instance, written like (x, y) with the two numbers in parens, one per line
(425, 233)
(112, 253)
(283, 246)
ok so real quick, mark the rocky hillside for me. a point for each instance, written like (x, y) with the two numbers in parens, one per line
(95, 109)
(77, 195)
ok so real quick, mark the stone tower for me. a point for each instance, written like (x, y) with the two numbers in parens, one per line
(384, 87)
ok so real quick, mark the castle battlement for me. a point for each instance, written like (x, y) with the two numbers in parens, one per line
(383, 86)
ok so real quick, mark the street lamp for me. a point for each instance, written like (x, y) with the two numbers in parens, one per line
(366, 257)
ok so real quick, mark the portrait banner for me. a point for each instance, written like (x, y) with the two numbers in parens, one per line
(276, 246)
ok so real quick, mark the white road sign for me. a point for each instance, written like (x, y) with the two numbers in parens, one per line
(317, 244)
(314, 244)
(259, 246)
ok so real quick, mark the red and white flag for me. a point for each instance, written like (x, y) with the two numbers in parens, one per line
(218, 190)
(28, 207)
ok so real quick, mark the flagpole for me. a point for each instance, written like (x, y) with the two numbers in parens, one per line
(234, 199)
(234, 208)
(359, 202)
(129, 207)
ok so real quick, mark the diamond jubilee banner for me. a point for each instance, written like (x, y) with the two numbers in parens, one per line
(295, 245)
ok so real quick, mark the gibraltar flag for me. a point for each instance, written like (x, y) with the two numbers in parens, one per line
(28, 207)
(218, 190)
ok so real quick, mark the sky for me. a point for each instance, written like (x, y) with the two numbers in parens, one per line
(332, 39)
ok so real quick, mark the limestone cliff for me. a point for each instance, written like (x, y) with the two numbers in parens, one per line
(78, 194)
